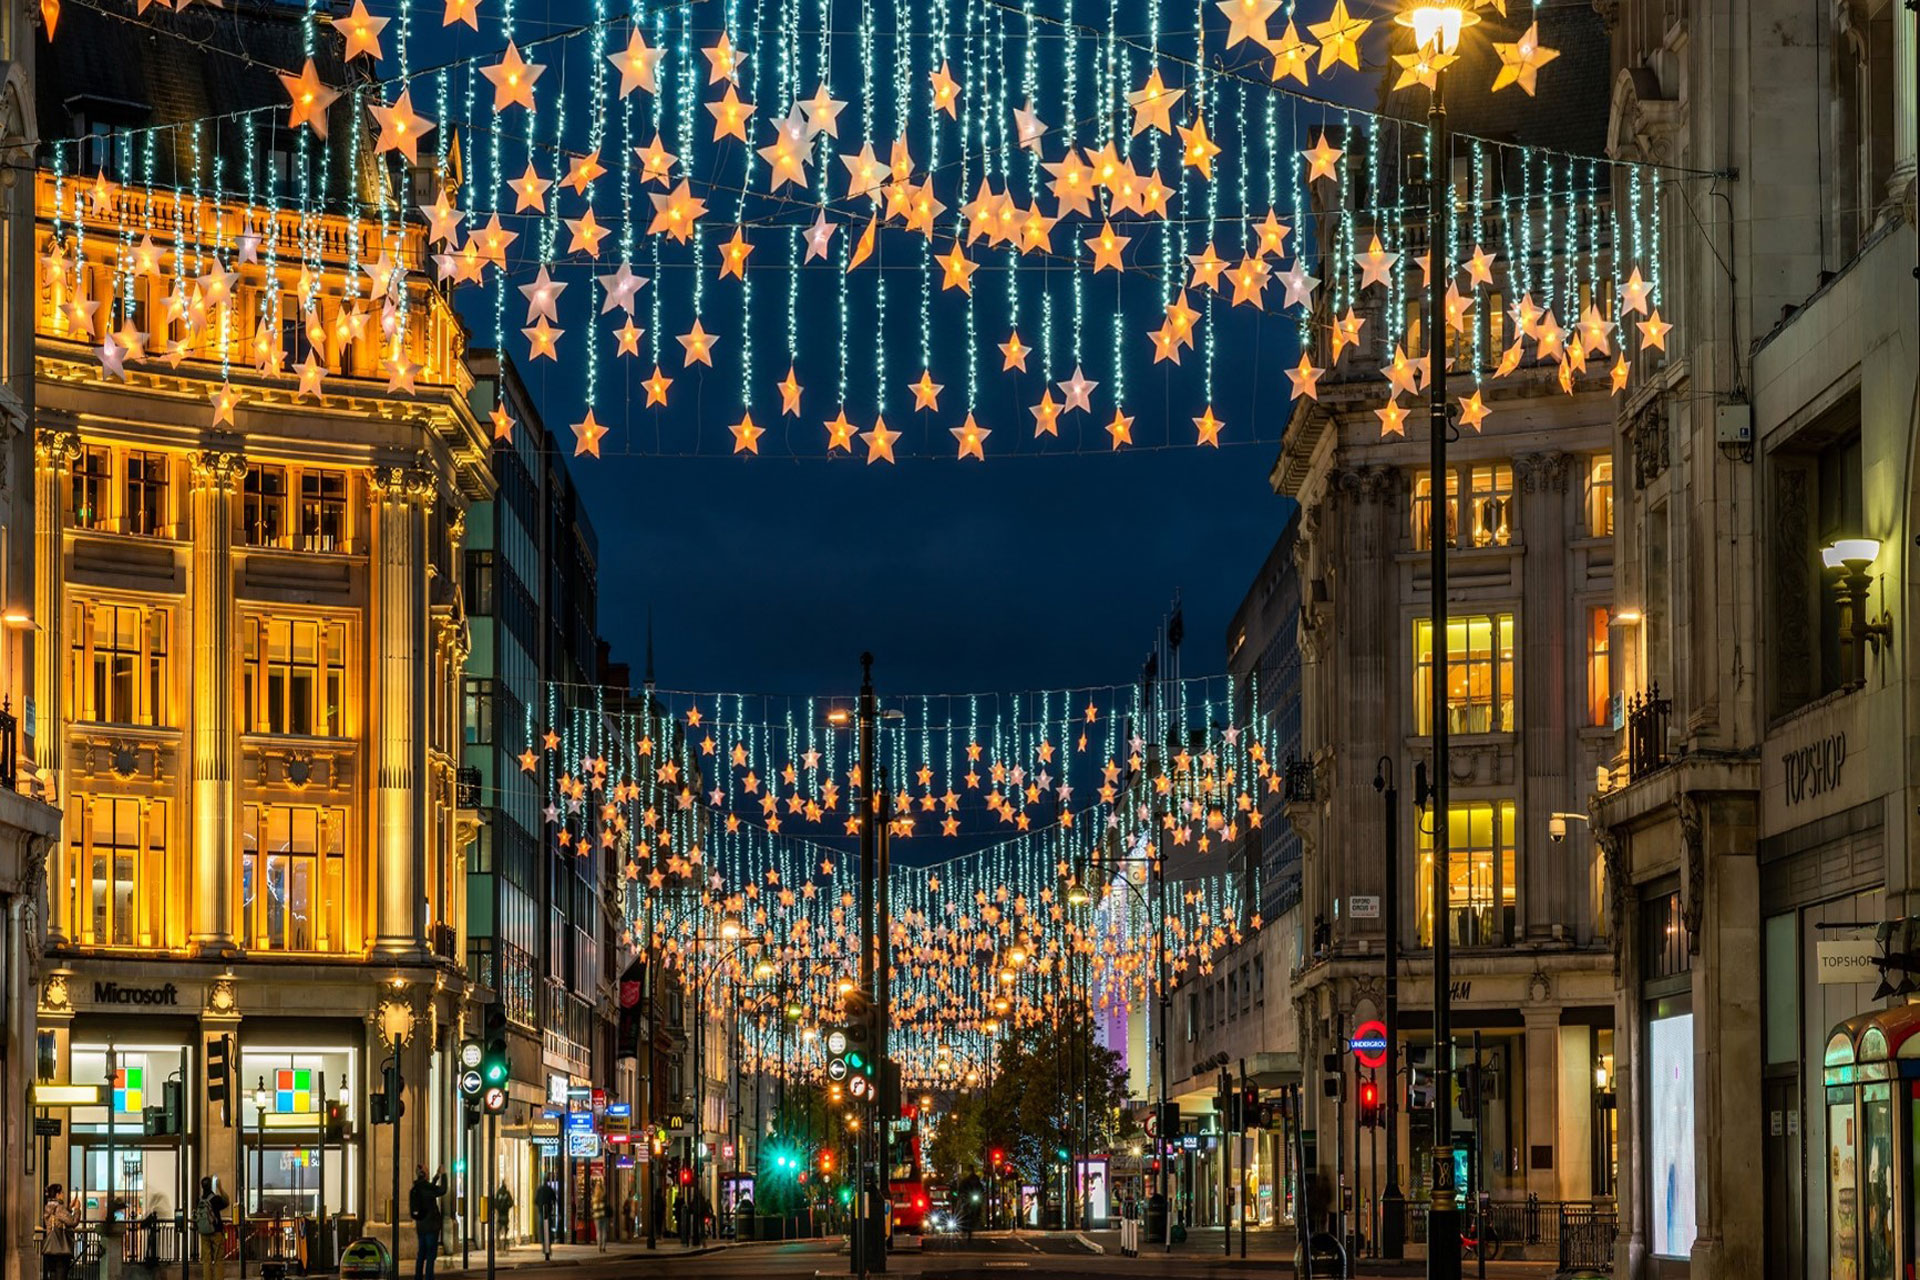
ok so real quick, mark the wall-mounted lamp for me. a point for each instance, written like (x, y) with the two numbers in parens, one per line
(1625, 618)
(1850, 558)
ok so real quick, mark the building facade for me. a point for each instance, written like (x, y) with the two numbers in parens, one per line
(1758, 825)
(538, 932)
(249, 635)
(1529, 703)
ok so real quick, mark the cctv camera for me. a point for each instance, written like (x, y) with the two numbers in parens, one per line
(1556, 828)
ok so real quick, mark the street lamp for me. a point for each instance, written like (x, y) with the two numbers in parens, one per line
(1850, 558)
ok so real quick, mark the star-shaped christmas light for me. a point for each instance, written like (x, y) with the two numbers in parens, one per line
(582, 170)
(1247, 19)
(225, 400)
(879, 442)
(362, 30)
(1209, 428)
(1079, 391)
(621, 286)
(1520, 62)
(443, 220)
(698, 344)
(585, 234)
(1197, 149)
(1634, 294)
(676, 212)
(1339, 37)
(467, 11)
(946, 94)
(1393, 419)
(1072, 183)
(657, 388)
(543, 296)
(1273, 235)
(530, 190)
(926, 392)
(823, 111)
(819, 236)
(542, 339)
(730, 115)
(1323, 159)
(971, 436)
(586, 435)
(627, 336)
(502, 429)
(840, 432)
(1375, 265)
(1107, 247)
(1121, 428)
(638, 64)
(656, 162)
(1653, 331)
(1249, 281)
(401, 128)
(790, 394)
(1014, 353)
(310, 99)
(733, 255)
(723, 60)
(513, 78)
(1046, 416)
(1305, 378)
(1292, 56)
(958, 270)
(1028, 127)
(1472, 411)
(1206, 268)
(1300, 285)
(746, 435)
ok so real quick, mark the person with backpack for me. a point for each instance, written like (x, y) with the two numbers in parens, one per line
(209, 1223)
(546, 1199)
(56, 1235)
(423, 1202)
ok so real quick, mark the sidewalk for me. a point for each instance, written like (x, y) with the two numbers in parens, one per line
(572, 1255)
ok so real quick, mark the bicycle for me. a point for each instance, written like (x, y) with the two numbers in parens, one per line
(1471, 1244)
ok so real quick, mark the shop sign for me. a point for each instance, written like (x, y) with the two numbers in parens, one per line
(165, 996)
(1364, 906)
(557, 1089)
(582, 1146)
(580, 1122)
(547, 1146)
(1813, 770)
(544, 1128)
(1189, 1142)
(619, 1110)
(1847, 961)
(46, 1126)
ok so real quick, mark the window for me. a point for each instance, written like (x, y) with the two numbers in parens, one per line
(323, 510)
(117, 861)
(1490, 504)
(296, 677)
(480, 583)
(1422, 510)
(1193, 1017)
(117, 671)
(1479, 674)
(1233, 996)
(1480, 875)
(1600, 496)
(264, 509)
(292, 876)
(146, 494)
(478, 712)
(1259, 979)
(92, 488)
(1496, 323)
(1599, 666)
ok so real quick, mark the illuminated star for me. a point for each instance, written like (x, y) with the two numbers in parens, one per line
(628, 337)
(746, 436)
(1472, 411)
(586, 232)
(582, 171)
(733, 255)
(926, 392)
(1339, 37)
(113, 357)
(1273, 235)
(730, 115)
(1393, 419)
(656, 162)
(400, 128)
(657, 388)
(863, 247)
(675, 213)
(946, 93)
(698, 344)
(1028, 127)
(444, 220)
(1152, 102)
(224, 398)
(820, 236)
(790, 394)
(1305, 379)
(840, 431)
(1078, 390)
(1375, 264)
(638, 64)
(959, 270)
(865, 173)
(1300, 285)
(1106, 248)
(1209, 428)
(503, 430)
(1121, 428)
(1198, 150)
(1249, 281)
(1247, 19)
(1521, 61)
(1015, 353)
(1653, 331)
(467, 11)
(1346, 331)
(1046, 416)
(1403, 373)
(1633, 295)
(310, 99)
(363, 32)
(621, 286)
(723, 60)
(879, 442)
(1207, 266)
(1292, 56)
(1321, 159)
(1072, 183)
(1421, 67)
(971, 436)
(586, 435)
(541, 339)
(1479, 267)
(1596, 331)
(542, 296)
(823, 112)
(512, 78)
(1619, 374)
(1179, 321)
(531, 190)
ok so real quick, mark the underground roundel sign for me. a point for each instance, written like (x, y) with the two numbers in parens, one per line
(1369, 1043)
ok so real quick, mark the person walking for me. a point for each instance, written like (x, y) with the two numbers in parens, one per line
(56, 1235)
(546, 1199)
(423, 1202)
(602, 1216)
(210, 1225)
(502, 1212)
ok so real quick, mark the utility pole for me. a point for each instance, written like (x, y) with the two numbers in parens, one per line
(1393, 1205)
(869, 859)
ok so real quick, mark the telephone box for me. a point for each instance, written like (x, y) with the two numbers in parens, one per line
(1872, 1078)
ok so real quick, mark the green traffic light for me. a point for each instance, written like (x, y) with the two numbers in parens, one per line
(846, 1195)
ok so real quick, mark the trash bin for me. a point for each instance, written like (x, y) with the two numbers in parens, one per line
(365, 1259)
(1156, 1226)
(1329, 1258)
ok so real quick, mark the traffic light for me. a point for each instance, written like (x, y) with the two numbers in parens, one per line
(1250, 1113)
(686, 1176)
(1369, 1104)
(333, 1124)
(164, 1120)
(1468, 1078)
(220, 1074)
(1169, 1121)
(995, 1158)
(389, 1104)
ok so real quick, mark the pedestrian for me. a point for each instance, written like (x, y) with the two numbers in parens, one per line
(502, 1212)
(546, 1199)
(602, 1216)
(210, 1225)
(56, 1235)
(423, 1202)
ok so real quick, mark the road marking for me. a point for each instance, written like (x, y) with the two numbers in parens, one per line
(993, 1265)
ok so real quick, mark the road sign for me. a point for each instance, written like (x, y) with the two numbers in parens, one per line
(1369, 1043)
(470, 1082)
(837, 1069)
(1364, 906)
(470, 1054)
(836, 1041)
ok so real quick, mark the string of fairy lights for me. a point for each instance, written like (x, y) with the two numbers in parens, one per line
(1023, 829)
(856, 168)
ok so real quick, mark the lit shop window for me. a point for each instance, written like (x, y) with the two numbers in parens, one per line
(1480, 875)
(1479, 674)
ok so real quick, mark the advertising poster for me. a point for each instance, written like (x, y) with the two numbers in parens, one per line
(1670, 1135)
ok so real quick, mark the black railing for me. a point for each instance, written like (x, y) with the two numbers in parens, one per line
(1580, 1231)
(1587, 1234)
(1647, 732)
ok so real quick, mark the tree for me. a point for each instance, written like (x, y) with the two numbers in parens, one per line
(959, 1141)
(1033, 1109)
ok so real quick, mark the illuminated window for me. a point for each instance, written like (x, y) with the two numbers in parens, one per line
(146, 494)
(323, 510)
(296, 676)
(117, 867)
(1600, 496)
(1496, 323)
(93, 488)
(264, 506)
(117, 669)
(1480, 881)
(1599, 666)
(292, 876)
(1490, 504)
(1479, 674)
(1422, 509)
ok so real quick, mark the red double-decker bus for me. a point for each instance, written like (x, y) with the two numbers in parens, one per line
(906, 1185)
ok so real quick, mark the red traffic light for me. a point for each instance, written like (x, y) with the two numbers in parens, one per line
(1369, 1094)
(996, 1156)
(686, 1177)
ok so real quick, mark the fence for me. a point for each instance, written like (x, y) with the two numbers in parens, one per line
(1586, 1237)
(1579, 1233)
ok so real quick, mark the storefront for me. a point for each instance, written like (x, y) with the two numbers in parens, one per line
(1871, 1114)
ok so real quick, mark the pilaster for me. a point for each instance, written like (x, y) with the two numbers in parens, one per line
(215, 477)
(1545, 621)
(54, 452)
(400, 499)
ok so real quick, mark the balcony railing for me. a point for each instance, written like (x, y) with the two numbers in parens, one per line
(1647, 716)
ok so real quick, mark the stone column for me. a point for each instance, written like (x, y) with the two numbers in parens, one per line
(1544, 692)
(1541, 1088)
(213, 739)
(54, 453)
(401, 665)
